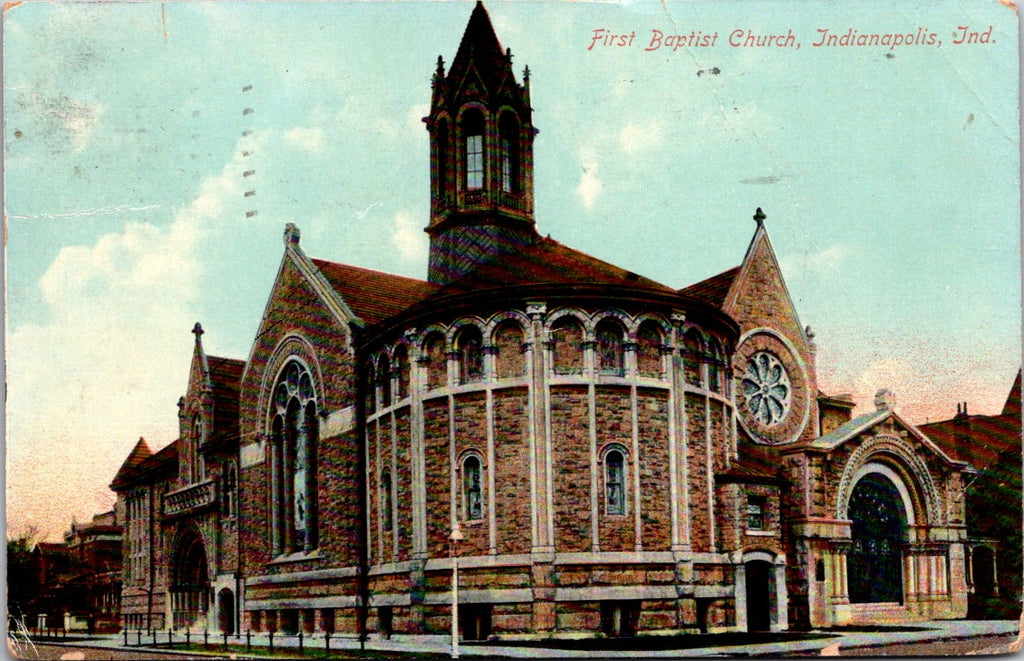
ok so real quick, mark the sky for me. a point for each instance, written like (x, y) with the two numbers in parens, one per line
(133, 132)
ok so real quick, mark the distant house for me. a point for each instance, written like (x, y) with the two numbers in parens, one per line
(92, 589)
(74, 584)
(992, 444)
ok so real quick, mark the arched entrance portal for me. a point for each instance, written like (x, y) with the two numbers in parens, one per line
(878, 531)
(226, 611)
(190, 583)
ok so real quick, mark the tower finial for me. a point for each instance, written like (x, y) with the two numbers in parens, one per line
(291, 234)
(197, 330)
(759, 217)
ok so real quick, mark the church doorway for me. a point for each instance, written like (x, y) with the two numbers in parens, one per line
(190, 583)
(226, 611)
(759, 595)
(878, 531)
(983, 566)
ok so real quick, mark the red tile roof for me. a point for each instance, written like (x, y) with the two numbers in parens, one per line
(547, 262)
(225, 378)
(976, 439)
(714, 289)
(756, 463)
(1012, 405)
(139, 453)
(164, 460)
(373, 295)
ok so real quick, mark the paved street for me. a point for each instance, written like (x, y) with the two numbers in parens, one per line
(941, 638)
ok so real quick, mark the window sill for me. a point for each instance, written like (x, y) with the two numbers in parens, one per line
(762, 533)
(298, 556)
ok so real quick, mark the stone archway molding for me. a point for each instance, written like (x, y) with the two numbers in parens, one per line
(904, 468)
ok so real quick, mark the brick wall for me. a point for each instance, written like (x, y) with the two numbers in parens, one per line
(571, 458)
(512, 476)
(652, 413)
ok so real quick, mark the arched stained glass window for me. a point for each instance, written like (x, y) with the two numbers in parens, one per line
(469, 345)
(472, 486)
(609, 348)
(294, 460)
(402, 371)
(615, 481)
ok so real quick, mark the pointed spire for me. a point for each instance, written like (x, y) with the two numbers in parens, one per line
(480, 46)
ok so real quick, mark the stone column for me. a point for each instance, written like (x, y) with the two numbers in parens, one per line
(540, 444)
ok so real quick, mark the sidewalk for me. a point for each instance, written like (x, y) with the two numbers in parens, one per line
(441, 645)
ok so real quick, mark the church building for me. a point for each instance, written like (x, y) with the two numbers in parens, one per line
(603, 452)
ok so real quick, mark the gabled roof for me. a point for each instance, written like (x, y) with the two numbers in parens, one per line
(714, 289)
(372, 295)
(163, 461)
(1012, 405)
(977, 439)
(547, 261)
(862, 423)
(139, 453)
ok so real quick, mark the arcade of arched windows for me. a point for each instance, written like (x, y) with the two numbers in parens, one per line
(608, 345)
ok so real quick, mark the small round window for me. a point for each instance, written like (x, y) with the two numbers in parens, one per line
(766, 389)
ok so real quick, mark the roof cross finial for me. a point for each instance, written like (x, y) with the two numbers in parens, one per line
(197, 330)
(759, 217)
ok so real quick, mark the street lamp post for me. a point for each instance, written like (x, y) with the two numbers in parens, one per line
(454, 540)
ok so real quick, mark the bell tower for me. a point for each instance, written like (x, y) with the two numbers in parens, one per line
(481, 156)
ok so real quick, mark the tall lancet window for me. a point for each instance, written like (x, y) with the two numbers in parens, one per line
(473, 134)
(509, 131)
(295, 433)
(442, 160)
(472, 484)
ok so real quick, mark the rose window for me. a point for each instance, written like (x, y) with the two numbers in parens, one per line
(766, 388)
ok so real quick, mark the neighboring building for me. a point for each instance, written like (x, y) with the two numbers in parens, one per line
(180, 508)
(618, 455)
(991, 443)
(93, 588)
(73, 585)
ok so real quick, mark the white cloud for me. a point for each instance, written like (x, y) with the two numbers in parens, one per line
(414, 118)
(827, 260)
(409, 237)
(106, 362)
(590, 185)
(309, 139)
(637, 138)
